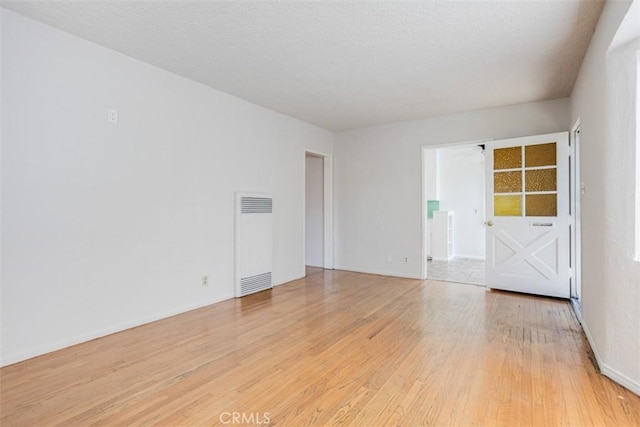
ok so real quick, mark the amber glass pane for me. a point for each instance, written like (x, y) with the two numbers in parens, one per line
(542, 205)
(507, 182)
(507, 205)
(540, 180)
(540, 155)
(507, 158)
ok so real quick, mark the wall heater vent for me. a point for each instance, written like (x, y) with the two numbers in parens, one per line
(254, 237)
(250, 285)
(256, 205)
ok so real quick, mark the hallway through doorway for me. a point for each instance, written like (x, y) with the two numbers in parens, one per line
(461, 270)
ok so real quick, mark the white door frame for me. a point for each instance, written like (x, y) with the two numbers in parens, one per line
(576, 231)
(327, 185)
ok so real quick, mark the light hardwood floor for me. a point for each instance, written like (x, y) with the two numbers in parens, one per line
(334, 348)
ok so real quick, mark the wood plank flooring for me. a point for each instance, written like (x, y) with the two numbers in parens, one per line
(334, 348)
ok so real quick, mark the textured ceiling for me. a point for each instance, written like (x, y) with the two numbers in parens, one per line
(347, 64)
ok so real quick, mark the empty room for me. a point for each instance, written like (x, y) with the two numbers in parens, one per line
(233, 212)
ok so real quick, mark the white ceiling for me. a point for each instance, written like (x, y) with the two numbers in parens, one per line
(347, 64)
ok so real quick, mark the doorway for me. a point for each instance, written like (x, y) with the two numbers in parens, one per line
(314, 211)
(569, 168)
(454, 201)
(318, 235)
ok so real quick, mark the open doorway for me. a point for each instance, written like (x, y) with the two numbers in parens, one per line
(318, 234)
(550, 273)
(314, 211)
(454, 200)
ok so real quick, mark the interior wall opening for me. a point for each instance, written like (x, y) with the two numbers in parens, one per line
(314, 211)
(454, 213)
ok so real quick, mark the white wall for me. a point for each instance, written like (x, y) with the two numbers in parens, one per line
(462, 191)
(432, 174)
(604, 101)
(109, 226)
(378, 199)
(314, 208)
(431, 186)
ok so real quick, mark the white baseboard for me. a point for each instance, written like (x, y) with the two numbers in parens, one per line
(314, 265)
(288, 279)
(107, 331)
(577, 309)
(607, 370)
(594, 349)
(620, 378)
(378, 272)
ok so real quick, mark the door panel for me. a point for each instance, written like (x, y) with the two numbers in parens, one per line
(527, 215)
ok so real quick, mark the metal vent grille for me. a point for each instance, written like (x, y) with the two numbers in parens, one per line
(253, 284)
(255, 205)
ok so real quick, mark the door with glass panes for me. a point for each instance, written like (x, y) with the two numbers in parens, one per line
(527, 214)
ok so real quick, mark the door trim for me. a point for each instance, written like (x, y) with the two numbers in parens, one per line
(576, 232)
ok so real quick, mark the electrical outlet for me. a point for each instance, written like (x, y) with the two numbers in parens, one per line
(112, 115)
(205, 280)
(389, 258)
(405, 259)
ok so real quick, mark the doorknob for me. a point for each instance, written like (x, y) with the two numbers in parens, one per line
(489, 223)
